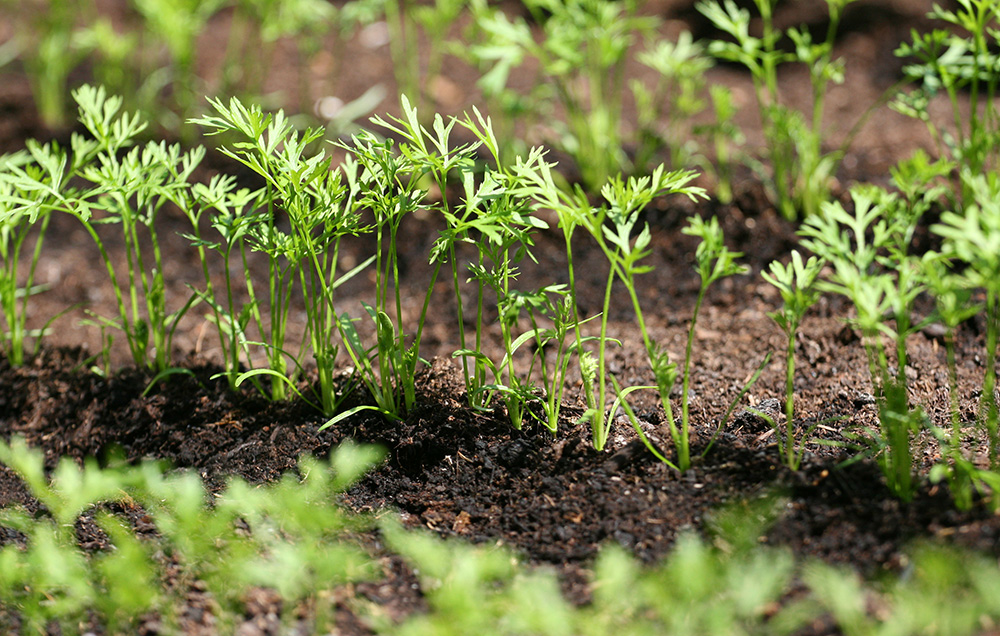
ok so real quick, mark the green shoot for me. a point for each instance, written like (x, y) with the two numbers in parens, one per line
(625, 252)
(500, 249)
(796, 282)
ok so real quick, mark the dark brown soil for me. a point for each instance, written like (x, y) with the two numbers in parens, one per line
(554, 499)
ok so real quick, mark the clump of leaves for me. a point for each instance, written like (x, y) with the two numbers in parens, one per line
(320, 211)
(869, 252)
(125, 185)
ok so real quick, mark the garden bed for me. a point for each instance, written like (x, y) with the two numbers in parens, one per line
(550, 498)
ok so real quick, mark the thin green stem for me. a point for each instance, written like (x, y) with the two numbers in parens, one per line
(20, 331)
(956, 425)
(599, 430)
(461, 321)
(790, 450)
(588, 390)
(480, 369)
(679, 437)
(685, 461)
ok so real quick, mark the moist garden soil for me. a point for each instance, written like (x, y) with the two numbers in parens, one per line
(551, 498)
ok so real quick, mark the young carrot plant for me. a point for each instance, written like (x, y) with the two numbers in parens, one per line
(132, 191)
(796, 282)
(30, 581)
(489, 217)
(869, 252)
(505, 226)
(23, 217)
(573, 208)
(128, 188)
(800, 169)
(391, 184)
(713, 261)
(229, 216)
(319, 212)
(624, 253)
(385, 183)
(495, 217)
(612, 226)
(496, 271)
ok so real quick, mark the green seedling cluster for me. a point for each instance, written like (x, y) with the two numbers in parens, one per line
(110, 178)
(116, 184)
(296, 223)
(868, 251)
(291, 538)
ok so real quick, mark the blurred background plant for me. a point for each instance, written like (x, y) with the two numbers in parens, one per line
(290, 535)
(799, 169)
(158, 56)
(580, 74)
(960, 58)
(153, 53)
